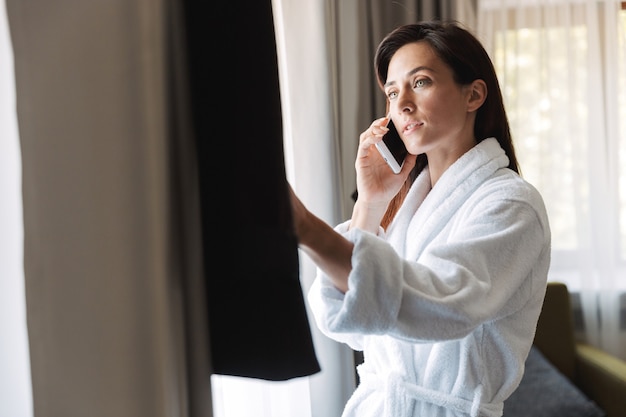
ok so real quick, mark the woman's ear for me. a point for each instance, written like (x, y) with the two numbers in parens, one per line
(478, 94)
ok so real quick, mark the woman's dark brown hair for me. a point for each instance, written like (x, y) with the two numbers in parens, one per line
(469, 61)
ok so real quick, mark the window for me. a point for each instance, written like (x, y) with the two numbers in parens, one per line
(562, 68)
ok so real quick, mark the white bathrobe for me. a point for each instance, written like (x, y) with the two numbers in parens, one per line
(444, 304)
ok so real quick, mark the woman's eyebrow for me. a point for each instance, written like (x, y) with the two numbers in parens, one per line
(408, 74)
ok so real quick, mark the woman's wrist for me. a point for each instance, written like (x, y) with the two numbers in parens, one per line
(367, 216)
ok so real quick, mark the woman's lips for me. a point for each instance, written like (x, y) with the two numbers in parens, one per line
(408, 128)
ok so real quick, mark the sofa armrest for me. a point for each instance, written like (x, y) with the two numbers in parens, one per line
(555, 329)
(602, 377)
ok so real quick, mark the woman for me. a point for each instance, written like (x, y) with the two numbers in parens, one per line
(440, 274)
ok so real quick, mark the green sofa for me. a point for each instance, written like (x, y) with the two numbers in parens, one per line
(598, 375)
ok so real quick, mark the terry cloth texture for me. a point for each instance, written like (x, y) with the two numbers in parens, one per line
(444, 304)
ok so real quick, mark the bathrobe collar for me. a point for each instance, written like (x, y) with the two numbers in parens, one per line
(425, 211)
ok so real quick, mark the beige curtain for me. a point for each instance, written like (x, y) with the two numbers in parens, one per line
(103, 154)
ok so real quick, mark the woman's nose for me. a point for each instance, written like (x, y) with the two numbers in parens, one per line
(405, 102)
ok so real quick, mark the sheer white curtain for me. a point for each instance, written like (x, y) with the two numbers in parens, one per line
(15, 389)
(306, 52)
(562, 66)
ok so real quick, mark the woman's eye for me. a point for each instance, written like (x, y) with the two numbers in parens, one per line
(392, 94)
(420, 83)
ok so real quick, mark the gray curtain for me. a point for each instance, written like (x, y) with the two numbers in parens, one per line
(115, 310)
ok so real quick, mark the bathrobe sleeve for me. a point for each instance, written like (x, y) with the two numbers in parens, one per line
(327, 301)
(485, 261)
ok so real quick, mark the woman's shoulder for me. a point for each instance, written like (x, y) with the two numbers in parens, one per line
(506, 183)
(506, 188)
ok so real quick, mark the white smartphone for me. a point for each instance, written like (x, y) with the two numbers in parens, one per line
(392, 148)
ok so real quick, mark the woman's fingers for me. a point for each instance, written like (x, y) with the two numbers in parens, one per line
(374, 133)
(371, 136)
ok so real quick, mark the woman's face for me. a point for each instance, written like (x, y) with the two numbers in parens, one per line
(429, 109)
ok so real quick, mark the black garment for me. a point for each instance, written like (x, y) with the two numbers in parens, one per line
(257, 317)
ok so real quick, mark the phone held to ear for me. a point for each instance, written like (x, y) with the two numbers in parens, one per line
(392, 148)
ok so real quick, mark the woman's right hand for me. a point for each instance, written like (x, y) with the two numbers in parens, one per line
(376, 183)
